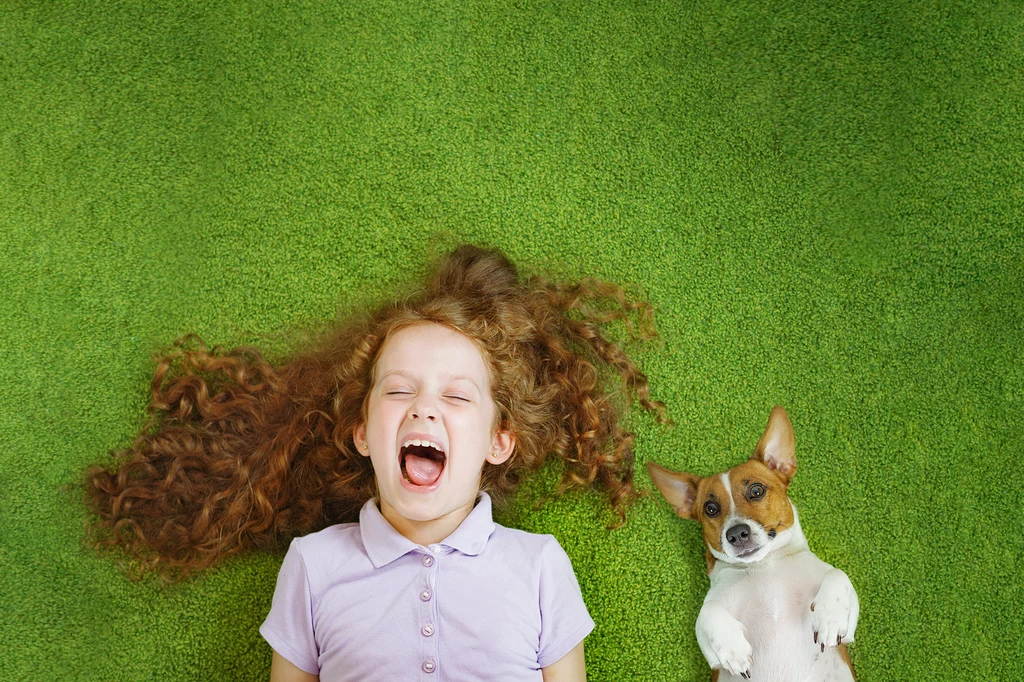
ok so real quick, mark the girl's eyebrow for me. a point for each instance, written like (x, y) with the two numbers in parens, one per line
(448, 377)
(461, 377)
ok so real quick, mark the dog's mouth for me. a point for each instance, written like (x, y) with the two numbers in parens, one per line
(748, 553)
(422, 462)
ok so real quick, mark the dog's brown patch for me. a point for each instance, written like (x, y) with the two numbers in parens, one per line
(772, 510)
(711, 508)
(844, 653)
(709, 560)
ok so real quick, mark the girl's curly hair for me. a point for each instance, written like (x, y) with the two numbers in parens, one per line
(241, 454)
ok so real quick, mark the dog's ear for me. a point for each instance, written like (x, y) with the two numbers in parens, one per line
(680, 489)
(777, 447)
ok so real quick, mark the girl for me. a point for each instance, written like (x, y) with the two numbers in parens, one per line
(408, 420)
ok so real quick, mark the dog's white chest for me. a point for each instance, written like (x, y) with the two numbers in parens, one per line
(772, 603)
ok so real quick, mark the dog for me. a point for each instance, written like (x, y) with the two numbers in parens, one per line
(775, 611)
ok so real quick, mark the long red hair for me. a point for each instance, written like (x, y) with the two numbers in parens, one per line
(241, 454)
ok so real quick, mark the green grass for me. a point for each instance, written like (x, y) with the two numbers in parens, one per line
(823, 201)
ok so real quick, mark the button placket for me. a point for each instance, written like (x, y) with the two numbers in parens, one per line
(428, 615)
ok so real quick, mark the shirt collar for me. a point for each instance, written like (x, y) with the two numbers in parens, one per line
(384, 544)
(472, 534)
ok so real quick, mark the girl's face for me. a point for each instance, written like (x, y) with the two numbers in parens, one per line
(430, 426)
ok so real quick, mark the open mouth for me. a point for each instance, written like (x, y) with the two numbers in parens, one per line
(422, 461)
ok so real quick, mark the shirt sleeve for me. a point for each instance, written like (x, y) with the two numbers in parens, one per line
(564, 618)
(288, 628)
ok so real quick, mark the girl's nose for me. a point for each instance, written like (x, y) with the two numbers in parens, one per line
(423, 409)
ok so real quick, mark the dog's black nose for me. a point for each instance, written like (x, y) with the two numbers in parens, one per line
(738, 535)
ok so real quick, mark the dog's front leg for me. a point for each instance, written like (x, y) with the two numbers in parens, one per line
(835, 610)
(722, 641)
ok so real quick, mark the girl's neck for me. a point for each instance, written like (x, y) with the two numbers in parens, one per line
(428, 532)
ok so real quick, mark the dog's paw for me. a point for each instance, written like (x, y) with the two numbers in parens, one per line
(734, 653)
(735, 657)
(722, 641)
(834, 611)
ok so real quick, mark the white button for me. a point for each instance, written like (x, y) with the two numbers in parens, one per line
(428, 666)
(427, 630)
(428, 561)
(425, 595)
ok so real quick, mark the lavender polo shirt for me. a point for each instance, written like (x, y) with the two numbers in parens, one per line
(359, 601)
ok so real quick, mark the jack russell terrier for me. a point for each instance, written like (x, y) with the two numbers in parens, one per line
(774, 611)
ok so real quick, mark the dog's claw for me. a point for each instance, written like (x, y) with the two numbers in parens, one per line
(835, 611)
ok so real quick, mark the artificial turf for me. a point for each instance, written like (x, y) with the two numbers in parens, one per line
(822, 200)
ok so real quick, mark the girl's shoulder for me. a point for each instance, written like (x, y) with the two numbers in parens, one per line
(526, 544)
(524, 537)
(335, 533)
(341, 537)
(313, 560)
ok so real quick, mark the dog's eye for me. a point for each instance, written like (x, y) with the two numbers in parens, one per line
(711, 508)
(756, 491)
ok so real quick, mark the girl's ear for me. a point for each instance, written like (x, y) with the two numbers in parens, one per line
(359, 438)
(502, 446)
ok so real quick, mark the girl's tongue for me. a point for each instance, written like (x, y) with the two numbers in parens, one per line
(422, 465)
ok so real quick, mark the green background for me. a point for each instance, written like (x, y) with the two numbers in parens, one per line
(822, 200)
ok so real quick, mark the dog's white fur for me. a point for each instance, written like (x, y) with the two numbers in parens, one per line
(756, 617)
